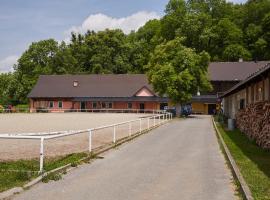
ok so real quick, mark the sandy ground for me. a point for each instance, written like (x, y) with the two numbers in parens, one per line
(25, 123)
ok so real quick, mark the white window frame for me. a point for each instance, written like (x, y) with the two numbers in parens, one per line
(50, 104)
(93, 105)
(62, 104)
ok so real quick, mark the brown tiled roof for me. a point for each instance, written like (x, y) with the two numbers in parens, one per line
(124, 85)
(250, 78)
(230, 71)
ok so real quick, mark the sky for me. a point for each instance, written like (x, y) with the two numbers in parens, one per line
(25, 21)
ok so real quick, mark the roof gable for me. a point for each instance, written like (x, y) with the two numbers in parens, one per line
(144, 92)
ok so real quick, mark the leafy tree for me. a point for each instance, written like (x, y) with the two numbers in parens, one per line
(260, 50)
(175, 12)
(177, 71)
(226, 33)
(5, 84)
(107, 52)
(234, 52)
(35, 61)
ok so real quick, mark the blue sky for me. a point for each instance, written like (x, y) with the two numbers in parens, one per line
(25, 21)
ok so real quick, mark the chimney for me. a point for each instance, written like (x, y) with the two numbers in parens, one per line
(75, 83)
(240, 59)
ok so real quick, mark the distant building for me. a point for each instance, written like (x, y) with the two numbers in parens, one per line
(223, 76)
(81, 92)
(126, 91)
(254, 89)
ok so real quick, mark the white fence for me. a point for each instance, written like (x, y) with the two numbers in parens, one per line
(156, 120)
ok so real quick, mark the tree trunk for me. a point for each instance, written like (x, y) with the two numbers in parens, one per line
(178, 109)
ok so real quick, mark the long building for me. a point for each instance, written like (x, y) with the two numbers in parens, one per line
(248, 103)
(130, 91)
(68, 92)
(254, 89)
(223, 76)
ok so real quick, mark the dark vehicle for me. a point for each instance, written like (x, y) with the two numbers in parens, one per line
(186, 110)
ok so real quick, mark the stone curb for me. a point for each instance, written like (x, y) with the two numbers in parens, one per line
(16, 190)
(236, 172)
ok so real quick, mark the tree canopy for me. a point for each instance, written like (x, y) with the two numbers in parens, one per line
(220, 29)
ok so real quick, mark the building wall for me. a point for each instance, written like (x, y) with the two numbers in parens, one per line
(44, 104)
(68, 104)
(257, 91)
(199, 108)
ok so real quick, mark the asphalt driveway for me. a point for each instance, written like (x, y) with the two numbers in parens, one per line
(180, 160)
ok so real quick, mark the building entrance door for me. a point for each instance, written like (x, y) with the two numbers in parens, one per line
(211, 109)
(83, 106)
(141, 107)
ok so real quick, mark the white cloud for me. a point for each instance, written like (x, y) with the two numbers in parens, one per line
(6, 64)
(99, 22)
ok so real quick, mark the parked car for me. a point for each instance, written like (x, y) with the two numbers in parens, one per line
(186, 110)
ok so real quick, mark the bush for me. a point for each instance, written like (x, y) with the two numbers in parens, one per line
(52, 176)
(22, 108)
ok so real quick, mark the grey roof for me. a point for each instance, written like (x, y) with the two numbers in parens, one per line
(252, 76)
(205, 99)
(124, 85)
(230, 71)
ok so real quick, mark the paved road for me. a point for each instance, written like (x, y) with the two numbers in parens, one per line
(180, 160)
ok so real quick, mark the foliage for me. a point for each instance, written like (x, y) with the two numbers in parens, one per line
(17, 173)
(177, 71)
(235, 51)
(226, 31)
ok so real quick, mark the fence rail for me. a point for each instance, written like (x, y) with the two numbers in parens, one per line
(158, 119)
(60, 110)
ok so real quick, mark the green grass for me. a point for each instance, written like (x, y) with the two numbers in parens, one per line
(17, 173)
(22, 107)
(253, 162)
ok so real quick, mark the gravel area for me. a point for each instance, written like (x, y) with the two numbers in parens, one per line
(27, 123)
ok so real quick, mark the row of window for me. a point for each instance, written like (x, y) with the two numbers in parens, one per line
(108, 105)
(60, 104)
(94, 105)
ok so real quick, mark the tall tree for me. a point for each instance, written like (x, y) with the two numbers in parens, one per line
(35, 61)
(177, 71)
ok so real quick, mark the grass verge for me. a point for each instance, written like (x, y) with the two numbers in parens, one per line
(17, 173)
(253, 162)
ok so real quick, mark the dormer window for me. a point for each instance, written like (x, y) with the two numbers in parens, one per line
(75, 83)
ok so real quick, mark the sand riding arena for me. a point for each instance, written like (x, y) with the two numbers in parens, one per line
(51, 123)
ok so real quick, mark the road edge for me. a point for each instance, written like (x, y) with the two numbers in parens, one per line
(235, 170)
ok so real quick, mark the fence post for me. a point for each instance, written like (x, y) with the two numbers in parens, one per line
(154, 120)
(129, 129)
(140, 125)
(90, 141)
(41, 160)
(164, 117)
(114, 134)
(148, 123)
(158, 119)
